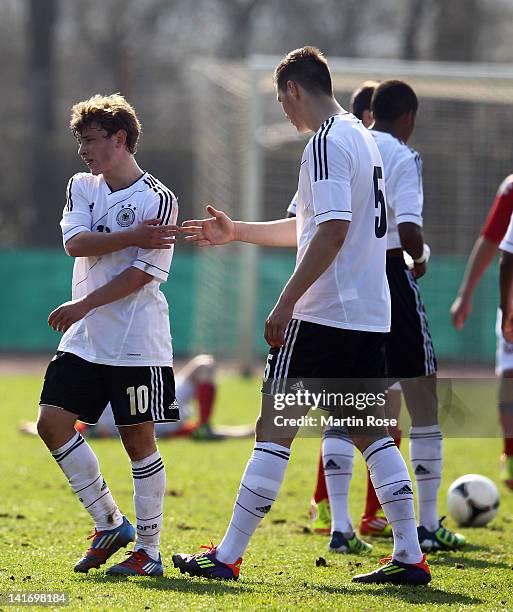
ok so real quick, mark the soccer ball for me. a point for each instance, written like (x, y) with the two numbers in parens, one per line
(472, 500)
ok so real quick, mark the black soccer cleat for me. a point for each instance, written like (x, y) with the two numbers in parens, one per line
(396, 572)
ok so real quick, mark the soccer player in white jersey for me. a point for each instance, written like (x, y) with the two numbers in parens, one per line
(373, 522)
(116, 345)
(331, 319)
(409, 349)
(340, 527)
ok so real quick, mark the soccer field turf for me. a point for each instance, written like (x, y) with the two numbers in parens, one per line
(43, 527)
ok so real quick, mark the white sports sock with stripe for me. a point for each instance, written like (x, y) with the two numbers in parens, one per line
(338, 457)
(259, 488)
(392, 484)
(149, 491)
(77, 460)
(426, 462)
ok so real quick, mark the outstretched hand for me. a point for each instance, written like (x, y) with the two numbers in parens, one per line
(218, 229)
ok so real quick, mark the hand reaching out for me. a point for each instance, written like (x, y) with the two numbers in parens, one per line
(218, 229)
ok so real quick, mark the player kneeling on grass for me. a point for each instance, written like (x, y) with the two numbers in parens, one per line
(116, 345)
(195, 381)
(331, 319)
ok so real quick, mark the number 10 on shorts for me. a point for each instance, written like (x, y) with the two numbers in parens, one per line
(138, 399)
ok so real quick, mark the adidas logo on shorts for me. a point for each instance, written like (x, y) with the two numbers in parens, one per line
(403, 491)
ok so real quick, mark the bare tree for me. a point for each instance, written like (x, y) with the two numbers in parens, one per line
(415, 21)
(457, 27)
(239, 15)
(41, 30)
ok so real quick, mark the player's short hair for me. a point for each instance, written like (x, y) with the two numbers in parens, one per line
(308, 67)
(111, 113)
(392, 99)
(361, 98)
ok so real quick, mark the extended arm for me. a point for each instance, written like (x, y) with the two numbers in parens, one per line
(321, 252)
(506, 286)
(129, 281)
(281, 233)
(147, 235)
(480, 258)
(220, 229)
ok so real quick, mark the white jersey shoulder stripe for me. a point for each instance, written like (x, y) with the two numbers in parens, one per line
(320, 150)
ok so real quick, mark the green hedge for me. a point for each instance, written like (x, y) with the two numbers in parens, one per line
(35, 282)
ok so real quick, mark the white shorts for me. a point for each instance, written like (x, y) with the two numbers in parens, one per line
(504, 354)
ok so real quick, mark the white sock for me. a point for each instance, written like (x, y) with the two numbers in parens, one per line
(259, 488)
(149, 490)
(392, 484)
(426, 462)
(338, 457)
(77, 460)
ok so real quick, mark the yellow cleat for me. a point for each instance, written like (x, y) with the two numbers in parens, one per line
(320, 515)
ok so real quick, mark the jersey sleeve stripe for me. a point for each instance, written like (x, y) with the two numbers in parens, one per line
(319, 150)
(326, 147)
(152, 265)
(333, 210)
(315, 159)
(166, 199)
(69, 199)
(159, 214)
(165, 209)
(170, 209)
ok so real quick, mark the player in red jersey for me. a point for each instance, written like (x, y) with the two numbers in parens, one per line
(483, 253)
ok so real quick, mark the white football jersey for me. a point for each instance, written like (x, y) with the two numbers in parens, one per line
(507, 242)
(292, 207)
(133, 331)
(341, 177)
(403, 169)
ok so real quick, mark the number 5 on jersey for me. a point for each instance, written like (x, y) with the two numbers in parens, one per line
(380, 221)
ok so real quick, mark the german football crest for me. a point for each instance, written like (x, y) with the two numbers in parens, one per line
(126, 216)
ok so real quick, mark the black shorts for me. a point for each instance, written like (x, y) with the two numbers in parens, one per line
(137, 394)
(409, 348)
(322, 353)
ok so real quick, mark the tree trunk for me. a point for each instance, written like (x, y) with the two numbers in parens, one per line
(457, 25)
(42, 19)
(239, 27)
(412, 28)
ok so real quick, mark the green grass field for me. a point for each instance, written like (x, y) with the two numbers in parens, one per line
(43, 527)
